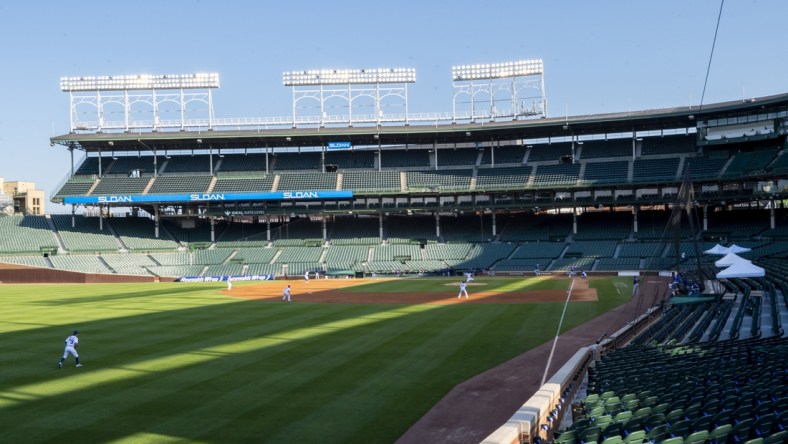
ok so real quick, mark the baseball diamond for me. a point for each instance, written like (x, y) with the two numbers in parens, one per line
(361, 270)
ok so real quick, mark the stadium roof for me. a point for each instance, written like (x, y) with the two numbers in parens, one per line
(646, 120)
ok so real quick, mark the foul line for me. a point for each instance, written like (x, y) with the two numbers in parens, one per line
(555, 341)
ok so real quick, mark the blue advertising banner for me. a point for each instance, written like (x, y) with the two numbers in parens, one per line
(207, 197)
(252, 277)
(339, 146)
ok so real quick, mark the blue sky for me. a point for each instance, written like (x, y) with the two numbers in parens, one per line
(600, 56)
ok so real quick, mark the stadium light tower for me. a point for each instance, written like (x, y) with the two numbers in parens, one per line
(350, 85)
(156, 91)
(514, 79)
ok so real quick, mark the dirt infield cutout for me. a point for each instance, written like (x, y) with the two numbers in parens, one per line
(330, 291)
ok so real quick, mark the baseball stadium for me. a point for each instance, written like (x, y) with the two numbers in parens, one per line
(625, 272)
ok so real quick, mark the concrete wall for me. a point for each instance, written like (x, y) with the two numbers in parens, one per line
(21, 274)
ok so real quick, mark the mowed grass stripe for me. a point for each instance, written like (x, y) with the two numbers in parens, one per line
(176, 372)
(401, 383)
(129, 339)
(448, 285)
(256, 370)
(301, 379)
(193, 393)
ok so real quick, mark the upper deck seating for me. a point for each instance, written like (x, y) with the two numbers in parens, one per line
(405, 158)
(606, 148)
(655, 170)
(351, 159)
(503, 178)
(439, 180)
(371, 180)
(298, 161)
(76, 186)
(120, 185)
(457, 157)
(674, 144)
(501, 155)
(556, 175)
(90, 166)
(253, 163)
(125, 165)
(606, 172)
(199, 164)
(549, 152)
(243, 184)
(307, 181)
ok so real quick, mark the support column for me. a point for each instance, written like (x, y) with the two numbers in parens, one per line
(437, 226)
(494, 226)
(705, 218)
(213, 230)
(635, 210)
(101, 219)
(156, 221)
(574, 220)
(771, 216)
(380, 226)
(74, 211)
(325, 237)
(268, 227)
(435, 148)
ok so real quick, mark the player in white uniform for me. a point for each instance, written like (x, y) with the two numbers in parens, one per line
(72, 344)
(286, 294)
(468, 277)
(463, 290)
(306, 276)
(229, 283)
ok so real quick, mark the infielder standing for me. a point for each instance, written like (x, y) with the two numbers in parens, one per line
(306, 276)
(72, 344)
(286, 294)
(463, 290)
(229, 283)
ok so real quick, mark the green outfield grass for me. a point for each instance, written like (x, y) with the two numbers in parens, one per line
(181, 362)
(438, 285)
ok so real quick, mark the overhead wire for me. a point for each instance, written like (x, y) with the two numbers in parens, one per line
(711, 55)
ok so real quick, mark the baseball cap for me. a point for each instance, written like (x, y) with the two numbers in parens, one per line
(76, 332)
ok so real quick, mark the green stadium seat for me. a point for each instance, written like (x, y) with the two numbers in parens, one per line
(697, 437)
(777, 438)
(635, 437)
(720, 434)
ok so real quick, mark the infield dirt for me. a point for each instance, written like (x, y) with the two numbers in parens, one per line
(332, 291)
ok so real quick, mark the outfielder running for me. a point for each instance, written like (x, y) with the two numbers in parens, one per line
(72, 344)
(286, 294)
(463, 290)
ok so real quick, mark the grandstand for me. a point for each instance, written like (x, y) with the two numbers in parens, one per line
(583, 193)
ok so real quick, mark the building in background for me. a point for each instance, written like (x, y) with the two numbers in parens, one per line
(26, 198)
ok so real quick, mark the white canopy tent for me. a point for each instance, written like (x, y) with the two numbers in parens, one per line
(741, 270)
(730, 259)
(737, 249)
(717, 249)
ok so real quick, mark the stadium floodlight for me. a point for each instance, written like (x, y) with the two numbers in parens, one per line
(519, 68)
(140, 82)
(349, 76)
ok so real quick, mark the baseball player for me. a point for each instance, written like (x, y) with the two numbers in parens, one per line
(229, 283)
(468, 276)
(306, 276)
(286, 294)
(72, 344)
(463, 290)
